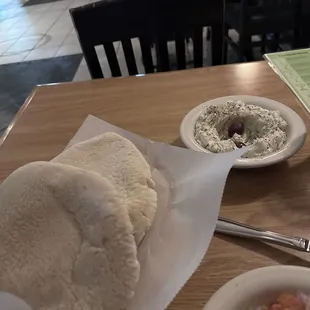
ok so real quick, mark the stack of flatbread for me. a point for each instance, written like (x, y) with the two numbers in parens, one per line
(70, 227)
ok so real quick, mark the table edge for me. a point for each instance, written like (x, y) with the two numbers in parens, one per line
(17, 116)
(37, 87)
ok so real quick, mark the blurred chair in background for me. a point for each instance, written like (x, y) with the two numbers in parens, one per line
(270, 20)
(108, 21)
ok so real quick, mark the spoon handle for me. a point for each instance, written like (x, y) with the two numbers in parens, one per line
(229, 227)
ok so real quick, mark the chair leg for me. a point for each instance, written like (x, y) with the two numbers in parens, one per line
(275, 42)
(263, 47)
(301, 35)
(300, 25)
(245, 43)
(225, 44)
(305, 36)
(217, 41)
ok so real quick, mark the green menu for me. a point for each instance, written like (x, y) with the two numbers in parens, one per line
(294, 68)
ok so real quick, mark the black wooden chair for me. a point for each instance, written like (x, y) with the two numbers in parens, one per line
(108, 21)
(266, 18)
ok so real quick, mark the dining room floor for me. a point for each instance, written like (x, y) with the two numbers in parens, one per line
(38, 45)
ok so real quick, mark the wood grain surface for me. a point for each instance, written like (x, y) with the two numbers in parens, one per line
(276, 198)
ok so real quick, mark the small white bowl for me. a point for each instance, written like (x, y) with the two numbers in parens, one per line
(296, 134)
(260, 287)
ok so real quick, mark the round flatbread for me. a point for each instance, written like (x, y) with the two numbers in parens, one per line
(66, 240)
(118, 160)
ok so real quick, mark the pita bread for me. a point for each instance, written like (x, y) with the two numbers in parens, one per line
(118, 160)
(66, 240)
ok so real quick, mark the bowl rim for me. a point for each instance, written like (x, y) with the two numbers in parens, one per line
(296, 125)
(254, 277)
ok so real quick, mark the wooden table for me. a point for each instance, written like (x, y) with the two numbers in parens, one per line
(277, 198)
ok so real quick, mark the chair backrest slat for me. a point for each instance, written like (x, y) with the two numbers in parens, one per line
(198, 50)
(162, 54)
(145, 45)
(180, 50)
(92, 62)
(130, 57)
(112, 59)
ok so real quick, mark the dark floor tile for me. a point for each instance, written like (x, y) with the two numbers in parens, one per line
(6, 116)
(18, 80)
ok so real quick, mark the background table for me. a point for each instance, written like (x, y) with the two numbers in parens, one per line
(276, 198)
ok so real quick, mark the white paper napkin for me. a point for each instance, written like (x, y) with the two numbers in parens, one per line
(190, 185)
(10, 302)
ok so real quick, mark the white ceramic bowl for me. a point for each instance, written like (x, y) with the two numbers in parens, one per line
(296, 134)
(259, 287)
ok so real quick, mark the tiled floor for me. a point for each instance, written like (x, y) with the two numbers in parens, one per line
(37, 31)
(44, 31)
(37, 45)
(19, 80)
